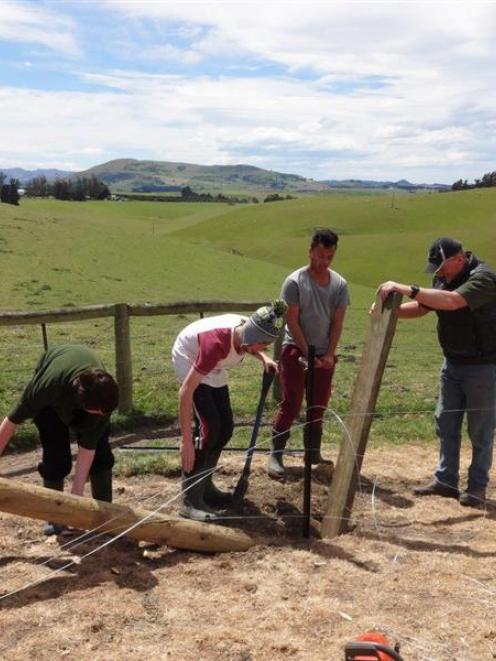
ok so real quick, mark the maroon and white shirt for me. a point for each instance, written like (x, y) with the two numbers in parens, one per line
(207, 344)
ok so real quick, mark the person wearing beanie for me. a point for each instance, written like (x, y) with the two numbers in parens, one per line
(202, 354)
(317, 298)
(70, 391)
(463, 296)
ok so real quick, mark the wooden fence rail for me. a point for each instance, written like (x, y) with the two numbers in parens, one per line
(122, 312)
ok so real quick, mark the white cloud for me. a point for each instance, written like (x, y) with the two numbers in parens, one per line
(350, 38)
(393, 88)
(280, 123)
(34, 24)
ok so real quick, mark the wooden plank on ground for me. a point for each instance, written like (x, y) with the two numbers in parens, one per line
(87, 514)
(355, 436)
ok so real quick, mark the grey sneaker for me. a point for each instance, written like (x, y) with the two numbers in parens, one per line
(473, 498)
(435, 488)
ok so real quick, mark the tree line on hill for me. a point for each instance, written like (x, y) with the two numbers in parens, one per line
(78, 189)
(189, 195)
(9, 193)
(186, 195)
(487, 181)
(91, 188)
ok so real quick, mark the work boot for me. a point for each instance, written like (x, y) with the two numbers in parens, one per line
(193, 486)
(312, 440)
(50, 528)
(472, 497)
(101, 485)
(275, 466)
(436, 488)
(212, 495)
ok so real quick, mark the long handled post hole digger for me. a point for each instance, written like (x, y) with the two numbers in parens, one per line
(242, 485)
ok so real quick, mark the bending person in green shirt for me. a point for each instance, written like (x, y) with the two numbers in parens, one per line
(70, 391)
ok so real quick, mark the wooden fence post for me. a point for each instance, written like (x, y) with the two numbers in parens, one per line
(355, 437)
(123, 360)
(44, 335)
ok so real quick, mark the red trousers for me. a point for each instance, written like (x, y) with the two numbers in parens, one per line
(292, 377)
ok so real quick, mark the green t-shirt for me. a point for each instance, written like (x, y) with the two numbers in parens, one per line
(479, 289)
(51, 386)
(468, 335)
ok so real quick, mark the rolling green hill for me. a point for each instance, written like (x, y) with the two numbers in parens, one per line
(66, 253)
(57, 254)
(130, 175)
(377, 241)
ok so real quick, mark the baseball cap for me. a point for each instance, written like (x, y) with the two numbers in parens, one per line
(441, 250)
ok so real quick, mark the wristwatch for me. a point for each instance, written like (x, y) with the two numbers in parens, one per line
(414, 290)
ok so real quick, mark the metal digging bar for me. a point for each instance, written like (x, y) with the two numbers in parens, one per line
(242, 485)
(307, 485)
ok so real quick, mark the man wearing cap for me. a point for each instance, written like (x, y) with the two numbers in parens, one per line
(317, 298)
(463, 295)
(201, 355)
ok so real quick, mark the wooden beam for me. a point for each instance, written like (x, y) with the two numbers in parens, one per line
(193, 307)
(53, 316)
(354, 441)
(14, 318)
(87, 514)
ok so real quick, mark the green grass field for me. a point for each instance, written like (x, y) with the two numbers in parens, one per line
(57, 254)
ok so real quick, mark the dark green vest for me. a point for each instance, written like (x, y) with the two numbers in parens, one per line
(467, 336)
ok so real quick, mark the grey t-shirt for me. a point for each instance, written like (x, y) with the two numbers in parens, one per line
(317, 305)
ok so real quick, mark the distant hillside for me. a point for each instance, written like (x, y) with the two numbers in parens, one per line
(402, 184)
(26, 175)
(130, 175)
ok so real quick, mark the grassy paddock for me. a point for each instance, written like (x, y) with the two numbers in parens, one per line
(404, 408)
(57, 254)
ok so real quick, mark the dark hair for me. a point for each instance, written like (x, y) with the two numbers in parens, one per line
(324, 237)
(97, 390)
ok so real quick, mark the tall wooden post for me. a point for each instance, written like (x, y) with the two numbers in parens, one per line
(123, 360)
(354, 441)
(44, 335)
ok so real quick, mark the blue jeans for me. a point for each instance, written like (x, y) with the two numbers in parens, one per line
(470, 389)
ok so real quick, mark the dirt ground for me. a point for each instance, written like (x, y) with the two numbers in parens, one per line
(423, 570)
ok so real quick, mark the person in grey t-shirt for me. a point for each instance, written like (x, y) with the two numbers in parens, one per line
(317, 298)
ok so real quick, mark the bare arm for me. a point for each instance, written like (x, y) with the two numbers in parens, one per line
(412, 310)
(292, 320)
(328, 359)
(437, 299)
(83, 465)
(188, 387)
(267, 361)
(7, 429)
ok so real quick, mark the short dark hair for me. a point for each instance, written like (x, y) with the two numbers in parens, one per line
(97, 390)
(324, 237)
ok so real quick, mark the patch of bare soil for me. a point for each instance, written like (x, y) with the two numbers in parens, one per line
(421, 569)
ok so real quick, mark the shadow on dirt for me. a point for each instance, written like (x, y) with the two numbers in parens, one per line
(123, 564)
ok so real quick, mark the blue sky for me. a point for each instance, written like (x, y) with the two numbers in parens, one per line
(329, 90)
